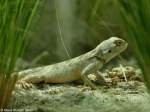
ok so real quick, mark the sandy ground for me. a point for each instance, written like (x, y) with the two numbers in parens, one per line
(122, 96)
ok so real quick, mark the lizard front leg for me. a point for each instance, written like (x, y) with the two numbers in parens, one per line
(100, 78)
(91, 68)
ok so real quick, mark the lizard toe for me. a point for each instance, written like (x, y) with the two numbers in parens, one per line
(24, 85)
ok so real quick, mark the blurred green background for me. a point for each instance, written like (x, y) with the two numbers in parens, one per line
(82, 24)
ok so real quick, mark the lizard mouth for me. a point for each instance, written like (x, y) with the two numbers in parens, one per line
(103, 60)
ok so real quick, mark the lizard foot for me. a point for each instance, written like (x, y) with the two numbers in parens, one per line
(25, 85)
(89, 83)
(54, 91)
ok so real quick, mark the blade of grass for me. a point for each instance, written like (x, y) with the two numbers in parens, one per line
(14, 15)
(135, 16)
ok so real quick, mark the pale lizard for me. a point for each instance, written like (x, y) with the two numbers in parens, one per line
(78, 67)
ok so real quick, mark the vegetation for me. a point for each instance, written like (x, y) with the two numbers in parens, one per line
(15, 19)
(68, 28)
(135, 15)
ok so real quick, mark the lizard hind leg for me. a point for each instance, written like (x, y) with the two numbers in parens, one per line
(34, 79)
(28, 81)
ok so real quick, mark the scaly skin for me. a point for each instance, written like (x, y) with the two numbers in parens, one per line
(77, 68)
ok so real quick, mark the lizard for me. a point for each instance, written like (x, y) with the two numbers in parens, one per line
(76, 68)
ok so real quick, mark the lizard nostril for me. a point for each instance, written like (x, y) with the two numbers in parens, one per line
(109, 51)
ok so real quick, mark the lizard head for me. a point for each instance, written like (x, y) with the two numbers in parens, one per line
(110, 48)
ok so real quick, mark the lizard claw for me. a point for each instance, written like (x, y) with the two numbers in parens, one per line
(25, 85)
(91, 85)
